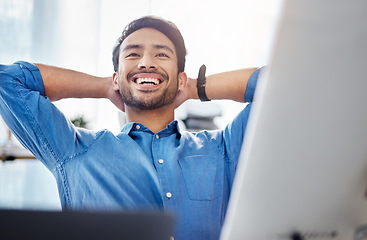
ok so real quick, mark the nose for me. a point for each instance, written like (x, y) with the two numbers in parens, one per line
(147, 62)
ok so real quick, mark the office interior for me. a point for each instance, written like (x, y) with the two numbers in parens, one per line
(223, 35)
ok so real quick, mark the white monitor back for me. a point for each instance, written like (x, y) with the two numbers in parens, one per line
(303, 169)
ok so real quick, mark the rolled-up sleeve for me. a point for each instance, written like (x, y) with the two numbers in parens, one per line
(251, 85)
(32, 118)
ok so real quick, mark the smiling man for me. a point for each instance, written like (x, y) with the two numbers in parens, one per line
(149, 68)
(147, 77)
(150, 164)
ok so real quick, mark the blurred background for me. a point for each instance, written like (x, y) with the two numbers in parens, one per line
(80, 35)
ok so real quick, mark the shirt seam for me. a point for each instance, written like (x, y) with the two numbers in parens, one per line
(222, 148)
(46, 146)
(61, 167)
(86, 149)
(39, 133)
(36, 126)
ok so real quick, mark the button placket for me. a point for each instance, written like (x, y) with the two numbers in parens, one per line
(158, 146)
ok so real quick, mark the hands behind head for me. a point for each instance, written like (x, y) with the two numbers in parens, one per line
(187, 93)
(114, 96)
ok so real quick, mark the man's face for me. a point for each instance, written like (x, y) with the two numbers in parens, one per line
(147, 77)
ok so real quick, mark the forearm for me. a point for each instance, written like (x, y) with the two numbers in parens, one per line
(62, 83)
(227, 85)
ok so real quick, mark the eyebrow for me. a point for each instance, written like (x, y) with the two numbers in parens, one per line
(139, 46)
(132, 46)
(163, 47)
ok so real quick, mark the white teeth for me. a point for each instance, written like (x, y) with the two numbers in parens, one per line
(147, 81)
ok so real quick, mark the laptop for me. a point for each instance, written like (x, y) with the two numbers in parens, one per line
(303, 169)
(81, 225)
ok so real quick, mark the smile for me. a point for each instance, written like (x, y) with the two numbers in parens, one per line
(149, 81)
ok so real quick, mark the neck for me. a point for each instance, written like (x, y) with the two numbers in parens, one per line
(156, 120)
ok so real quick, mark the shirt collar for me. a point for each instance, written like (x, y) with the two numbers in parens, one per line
(170, 129)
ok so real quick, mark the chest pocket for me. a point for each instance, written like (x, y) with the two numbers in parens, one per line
(203, 175)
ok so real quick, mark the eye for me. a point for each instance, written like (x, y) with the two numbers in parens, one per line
(132, 55)
(163, 55)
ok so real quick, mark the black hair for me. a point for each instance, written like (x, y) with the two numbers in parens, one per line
(166, 27)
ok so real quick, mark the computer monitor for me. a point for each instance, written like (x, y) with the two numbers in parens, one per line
(85, 225)
(302, 173)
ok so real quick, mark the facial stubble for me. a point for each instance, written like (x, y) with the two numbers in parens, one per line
(145, 103)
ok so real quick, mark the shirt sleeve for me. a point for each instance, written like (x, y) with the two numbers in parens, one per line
(251, 85)
(233, 134)
(34, 120)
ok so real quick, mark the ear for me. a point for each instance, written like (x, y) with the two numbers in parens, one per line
(182, 80)
(115, 81)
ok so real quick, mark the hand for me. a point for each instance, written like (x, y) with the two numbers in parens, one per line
(114, 95)
(188, 92)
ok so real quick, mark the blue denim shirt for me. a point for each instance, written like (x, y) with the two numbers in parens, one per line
(189, 174)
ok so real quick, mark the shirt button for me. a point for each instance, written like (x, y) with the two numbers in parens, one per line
(137, 127)
(157, 136)
(160, 161)
(168, 195)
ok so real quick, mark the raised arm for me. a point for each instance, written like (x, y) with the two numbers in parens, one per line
(229, 85)
(62, 83)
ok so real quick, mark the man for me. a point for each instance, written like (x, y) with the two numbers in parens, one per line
(151, 164)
